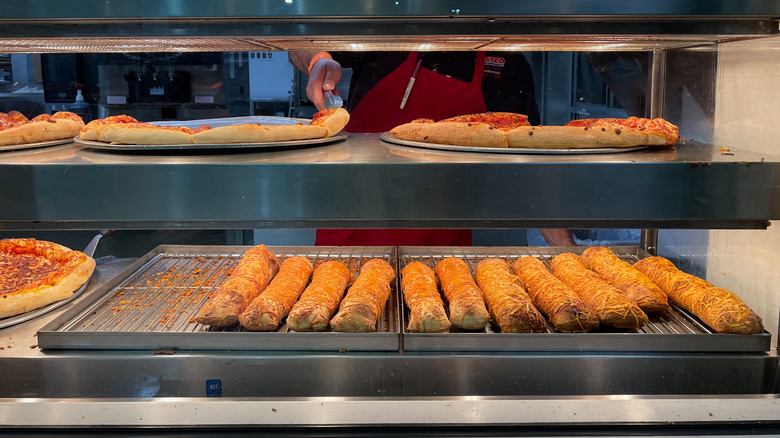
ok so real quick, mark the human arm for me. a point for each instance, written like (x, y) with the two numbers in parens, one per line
(558, 237)
(323, 73)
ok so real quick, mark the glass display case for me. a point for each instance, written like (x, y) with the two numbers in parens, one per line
(710, 203)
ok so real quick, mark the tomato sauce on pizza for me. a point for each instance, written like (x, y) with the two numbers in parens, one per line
(33, 263)
(657, 126)
(498, 120)
(34, 273)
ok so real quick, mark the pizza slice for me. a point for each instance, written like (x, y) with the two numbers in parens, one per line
(16, 129)
(325, 123)
(658, 130)
(512, 130)
(476, 130)
(147, 133)
(35, 273)
(93, 129)
(127, 130)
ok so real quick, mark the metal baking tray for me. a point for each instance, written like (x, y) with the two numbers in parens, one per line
(214, 123)
(40, 144)
(528, 151)
(674, 331)
(151, 304)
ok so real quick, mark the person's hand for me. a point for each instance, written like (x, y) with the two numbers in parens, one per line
(324, 75)
(558, 237)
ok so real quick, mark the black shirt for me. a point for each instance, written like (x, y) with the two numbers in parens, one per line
(507, 80)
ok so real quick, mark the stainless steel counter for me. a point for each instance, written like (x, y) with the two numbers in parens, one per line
(364, 182)
(299, 389)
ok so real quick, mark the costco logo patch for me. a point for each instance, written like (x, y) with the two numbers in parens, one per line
(495, 61)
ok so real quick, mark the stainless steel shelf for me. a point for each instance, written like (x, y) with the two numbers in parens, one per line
(365, 183)
(72, 373)
(244, 25)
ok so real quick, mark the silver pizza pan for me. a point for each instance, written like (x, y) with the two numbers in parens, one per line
(192, 146)
(214, 123)
(17, 319)
(385, 136)
(40, 144)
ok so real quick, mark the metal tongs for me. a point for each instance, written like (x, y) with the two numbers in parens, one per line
(332, 101)
(90, 251)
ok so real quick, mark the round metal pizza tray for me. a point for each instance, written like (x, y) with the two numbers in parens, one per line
(221, 146)
(214, 123)
(40, 144)
(385, 136)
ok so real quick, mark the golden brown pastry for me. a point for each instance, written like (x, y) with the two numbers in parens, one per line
(566, 310)
(266, 311)
(248, 280)
(622, 275)
(717, 307)
(613, 308)
(366, 298)
(421, 294)
(509, 304)
(466, 301)
(321, 298)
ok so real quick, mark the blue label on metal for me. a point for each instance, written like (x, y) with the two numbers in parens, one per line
(214, 388)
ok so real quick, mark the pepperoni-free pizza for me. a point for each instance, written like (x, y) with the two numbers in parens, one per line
(17, 129)
(501, 129)
(127, 130)
(35, 273)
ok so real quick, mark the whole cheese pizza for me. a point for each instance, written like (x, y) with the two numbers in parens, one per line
(35, 273)
(127, 130)
(501, 130)
(16, 129)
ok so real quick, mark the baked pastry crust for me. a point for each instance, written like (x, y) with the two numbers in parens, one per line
(719, 308)
(510, 306)
(45, 127)
(421, 295)
(466, 301)
(268, 309)
(565, 309)
(622, 275)
(321, 298)
(249, 278)
(35, 273)
(613, 308)
(365, 301)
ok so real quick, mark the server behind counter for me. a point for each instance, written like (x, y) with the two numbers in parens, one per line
(445, 84)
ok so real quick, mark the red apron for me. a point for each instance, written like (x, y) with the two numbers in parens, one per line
(434, 96)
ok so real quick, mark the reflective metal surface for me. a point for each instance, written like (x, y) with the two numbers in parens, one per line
(153, 305)
(621, 413)
(244, 25)
(365, 183)
(386, 137)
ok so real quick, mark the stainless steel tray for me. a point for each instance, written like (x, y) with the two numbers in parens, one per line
(150, 305)
(40, 144)
(221, 146)
(451, 147)
(674, 331)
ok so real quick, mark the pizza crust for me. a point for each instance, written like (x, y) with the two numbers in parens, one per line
(16, 303)
(251, 133)
(334, 122)
(121, 133)
(39, 131)
(575, 137)
(473, 134)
